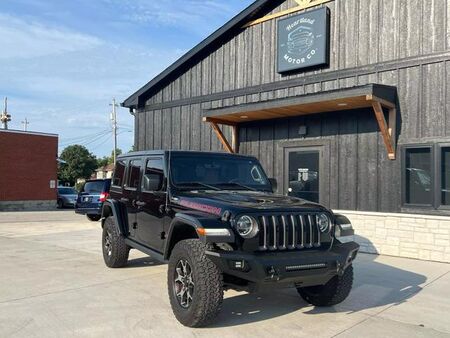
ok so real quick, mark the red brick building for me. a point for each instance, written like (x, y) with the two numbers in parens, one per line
(28, 170)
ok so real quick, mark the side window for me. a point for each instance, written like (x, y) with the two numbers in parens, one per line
(134, 173)
(119, 173)
(154, 175)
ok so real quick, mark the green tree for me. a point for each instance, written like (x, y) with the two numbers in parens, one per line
(118, 152)
(80, 163)
(105, 160)
(101, 162)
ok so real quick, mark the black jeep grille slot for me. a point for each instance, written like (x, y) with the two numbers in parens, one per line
(288, 232)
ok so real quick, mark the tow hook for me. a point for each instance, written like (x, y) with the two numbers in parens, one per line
(273, 273)
(339, 269)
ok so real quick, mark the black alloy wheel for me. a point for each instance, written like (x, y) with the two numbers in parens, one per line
(183, 283)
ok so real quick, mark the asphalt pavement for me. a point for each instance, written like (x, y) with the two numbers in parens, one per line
(53, 283)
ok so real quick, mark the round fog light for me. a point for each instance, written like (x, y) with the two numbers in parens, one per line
(247, 226)
(323, 221)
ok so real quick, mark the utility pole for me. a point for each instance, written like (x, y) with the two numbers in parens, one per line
(5, 117)
(114, 126)
(25, 124)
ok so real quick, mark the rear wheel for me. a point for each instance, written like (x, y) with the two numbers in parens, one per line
(115, 251)
(94, 218)
(195, 284)
(332, 293)
(60, 204)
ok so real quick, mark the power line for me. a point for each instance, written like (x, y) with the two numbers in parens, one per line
(76, 138)
(107, 133)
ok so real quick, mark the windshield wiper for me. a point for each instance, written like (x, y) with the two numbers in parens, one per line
(239, 185)
(200, 184)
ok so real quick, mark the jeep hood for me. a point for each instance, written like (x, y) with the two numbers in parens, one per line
(216, 202)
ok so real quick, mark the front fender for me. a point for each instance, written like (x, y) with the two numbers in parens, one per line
(197, 221)
(113, 208)
(343, 226)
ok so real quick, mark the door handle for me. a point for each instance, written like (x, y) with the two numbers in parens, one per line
(140, 204)
(124, 200)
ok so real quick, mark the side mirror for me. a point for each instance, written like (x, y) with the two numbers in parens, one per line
(152, 182)
(274, 184)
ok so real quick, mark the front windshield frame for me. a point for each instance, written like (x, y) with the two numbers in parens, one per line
(203, 185)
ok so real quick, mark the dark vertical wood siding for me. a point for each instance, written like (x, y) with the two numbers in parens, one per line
(390, 42)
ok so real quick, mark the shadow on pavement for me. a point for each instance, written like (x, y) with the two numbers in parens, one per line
(141, 262)
(375, 285)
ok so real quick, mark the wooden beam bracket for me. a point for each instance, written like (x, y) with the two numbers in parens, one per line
(234, 147)
(388, 129)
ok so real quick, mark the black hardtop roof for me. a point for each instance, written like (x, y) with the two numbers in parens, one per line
(189, 152)
(230, 29)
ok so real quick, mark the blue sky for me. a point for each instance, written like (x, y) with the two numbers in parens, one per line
(62, 61)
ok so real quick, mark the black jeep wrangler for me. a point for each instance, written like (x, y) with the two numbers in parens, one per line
(215, 219)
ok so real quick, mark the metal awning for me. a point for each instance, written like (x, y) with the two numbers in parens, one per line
(380, 98)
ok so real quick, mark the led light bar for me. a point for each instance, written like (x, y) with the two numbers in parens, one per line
(306, 267)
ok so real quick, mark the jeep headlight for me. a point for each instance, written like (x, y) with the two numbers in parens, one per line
(323, 222)
(247, 226)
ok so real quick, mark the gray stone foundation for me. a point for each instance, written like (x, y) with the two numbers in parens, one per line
(27, 205)
(404, 235)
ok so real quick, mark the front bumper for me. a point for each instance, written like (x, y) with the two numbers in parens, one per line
(286, 268)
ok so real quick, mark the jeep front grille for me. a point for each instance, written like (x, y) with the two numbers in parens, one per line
(288, 232)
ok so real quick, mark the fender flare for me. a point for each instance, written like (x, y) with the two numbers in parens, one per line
(112, 207)
(343, 226)
(182, 219)
(178, 221)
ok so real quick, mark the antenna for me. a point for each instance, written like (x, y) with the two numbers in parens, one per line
(25, 124)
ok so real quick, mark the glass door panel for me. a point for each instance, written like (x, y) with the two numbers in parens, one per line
(304, 174)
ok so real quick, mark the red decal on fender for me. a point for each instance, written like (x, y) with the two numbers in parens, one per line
(201, 207)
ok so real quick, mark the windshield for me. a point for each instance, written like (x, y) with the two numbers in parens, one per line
(219, 172)
(67, 191)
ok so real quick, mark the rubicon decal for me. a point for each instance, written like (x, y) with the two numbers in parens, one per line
(201, 207)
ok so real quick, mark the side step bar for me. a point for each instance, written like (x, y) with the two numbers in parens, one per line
(154, 254)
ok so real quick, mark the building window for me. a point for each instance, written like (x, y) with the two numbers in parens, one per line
(445, 176)
(418, 175)
(426, 176)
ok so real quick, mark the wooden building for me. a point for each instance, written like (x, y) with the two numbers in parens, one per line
(346, 102)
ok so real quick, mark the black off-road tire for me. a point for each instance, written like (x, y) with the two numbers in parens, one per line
(207, 295)
(332, 293)
(94, 218)
(60, 204)
(115, 255)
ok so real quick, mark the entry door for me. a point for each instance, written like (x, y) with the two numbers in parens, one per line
(151, 206)
(305, 173)
(130, 193)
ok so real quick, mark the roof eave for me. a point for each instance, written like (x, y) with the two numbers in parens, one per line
(133, 102)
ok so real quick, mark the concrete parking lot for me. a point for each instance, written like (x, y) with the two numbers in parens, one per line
(53, 283)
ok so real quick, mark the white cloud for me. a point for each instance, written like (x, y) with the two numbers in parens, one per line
(194, 15)
(28, 39)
